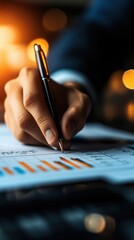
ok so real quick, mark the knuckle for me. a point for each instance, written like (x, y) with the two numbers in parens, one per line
(86, 100)
(23, 121)
(30, 100)
(79, 113)
(25, 71)
(43, 121)
(8, 86)
(76, 110)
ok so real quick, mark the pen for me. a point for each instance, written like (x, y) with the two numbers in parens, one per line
(45, 77)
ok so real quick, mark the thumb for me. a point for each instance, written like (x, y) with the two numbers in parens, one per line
(75, 117)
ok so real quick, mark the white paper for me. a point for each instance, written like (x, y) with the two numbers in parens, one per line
(106, 154)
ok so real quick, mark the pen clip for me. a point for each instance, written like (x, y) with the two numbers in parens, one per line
(45, 62)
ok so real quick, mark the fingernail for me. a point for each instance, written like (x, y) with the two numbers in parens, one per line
(50, 136)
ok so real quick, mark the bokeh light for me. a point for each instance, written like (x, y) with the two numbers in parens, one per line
(130, 111)
(128, 79)
(115, 82)
(54, 19)
(100, 224)
(30, 50)
(95, 223)
(16, 56)
(8, 34)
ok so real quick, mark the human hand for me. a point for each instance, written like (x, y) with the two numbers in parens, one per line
(27, 114)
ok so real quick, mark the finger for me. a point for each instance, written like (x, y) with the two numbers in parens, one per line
(14, 105)
(24, 119)
(6, 120)
(75, 117)
(26, 138)
(34, 102)
(18, 133)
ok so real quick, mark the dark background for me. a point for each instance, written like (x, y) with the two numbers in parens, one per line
(117, 107)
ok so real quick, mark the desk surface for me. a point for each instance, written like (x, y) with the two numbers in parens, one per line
(92, 210)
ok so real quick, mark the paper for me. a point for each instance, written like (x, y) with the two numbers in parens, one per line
(97, 153)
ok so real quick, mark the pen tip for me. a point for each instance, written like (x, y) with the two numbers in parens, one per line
(60, 141)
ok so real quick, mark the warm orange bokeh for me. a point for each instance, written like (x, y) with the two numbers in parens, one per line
(54, 19)
(115, 83)
(30, 50)
(8, 34)
(14, 56)
(130, 111)
(128, 79)
(18, 26)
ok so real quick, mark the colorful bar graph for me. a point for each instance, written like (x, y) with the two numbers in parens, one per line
(27, 167)
(41, 168)
(8, 170)
(50, 165)
(70, 162)
(62, 163)
(64, 166)
(82, 162)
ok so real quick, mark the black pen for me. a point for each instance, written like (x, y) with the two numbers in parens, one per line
(45, 77)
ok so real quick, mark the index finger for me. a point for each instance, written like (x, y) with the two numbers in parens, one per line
(34, 102)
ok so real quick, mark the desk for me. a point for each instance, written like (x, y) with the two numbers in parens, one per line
(91, 209)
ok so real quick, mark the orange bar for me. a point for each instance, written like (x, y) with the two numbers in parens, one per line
(82, 162)
(62, 165)
(69, 162)
(25, 165)
(7, 170)
(42, 168)
(50, 165)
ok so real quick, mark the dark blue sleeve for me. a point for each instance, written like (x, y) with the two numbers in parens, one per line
(98, 43)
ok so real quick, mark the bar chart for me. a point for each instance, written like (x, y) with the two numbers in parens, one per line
(35, 164)
(24, 166)
(36, 160)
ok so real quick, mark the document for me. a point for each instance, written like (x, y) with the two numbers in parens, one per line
(98, 153)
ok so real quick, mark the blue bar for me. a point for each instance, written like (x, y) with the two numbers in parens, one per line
(71, 168)
(1, 173)
(19, 170)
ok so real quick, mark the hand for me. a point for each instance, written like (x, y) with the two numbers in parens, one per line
(27, 114)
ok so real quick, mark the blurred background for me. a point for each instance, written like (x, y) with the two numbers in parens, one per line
(22, 22)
